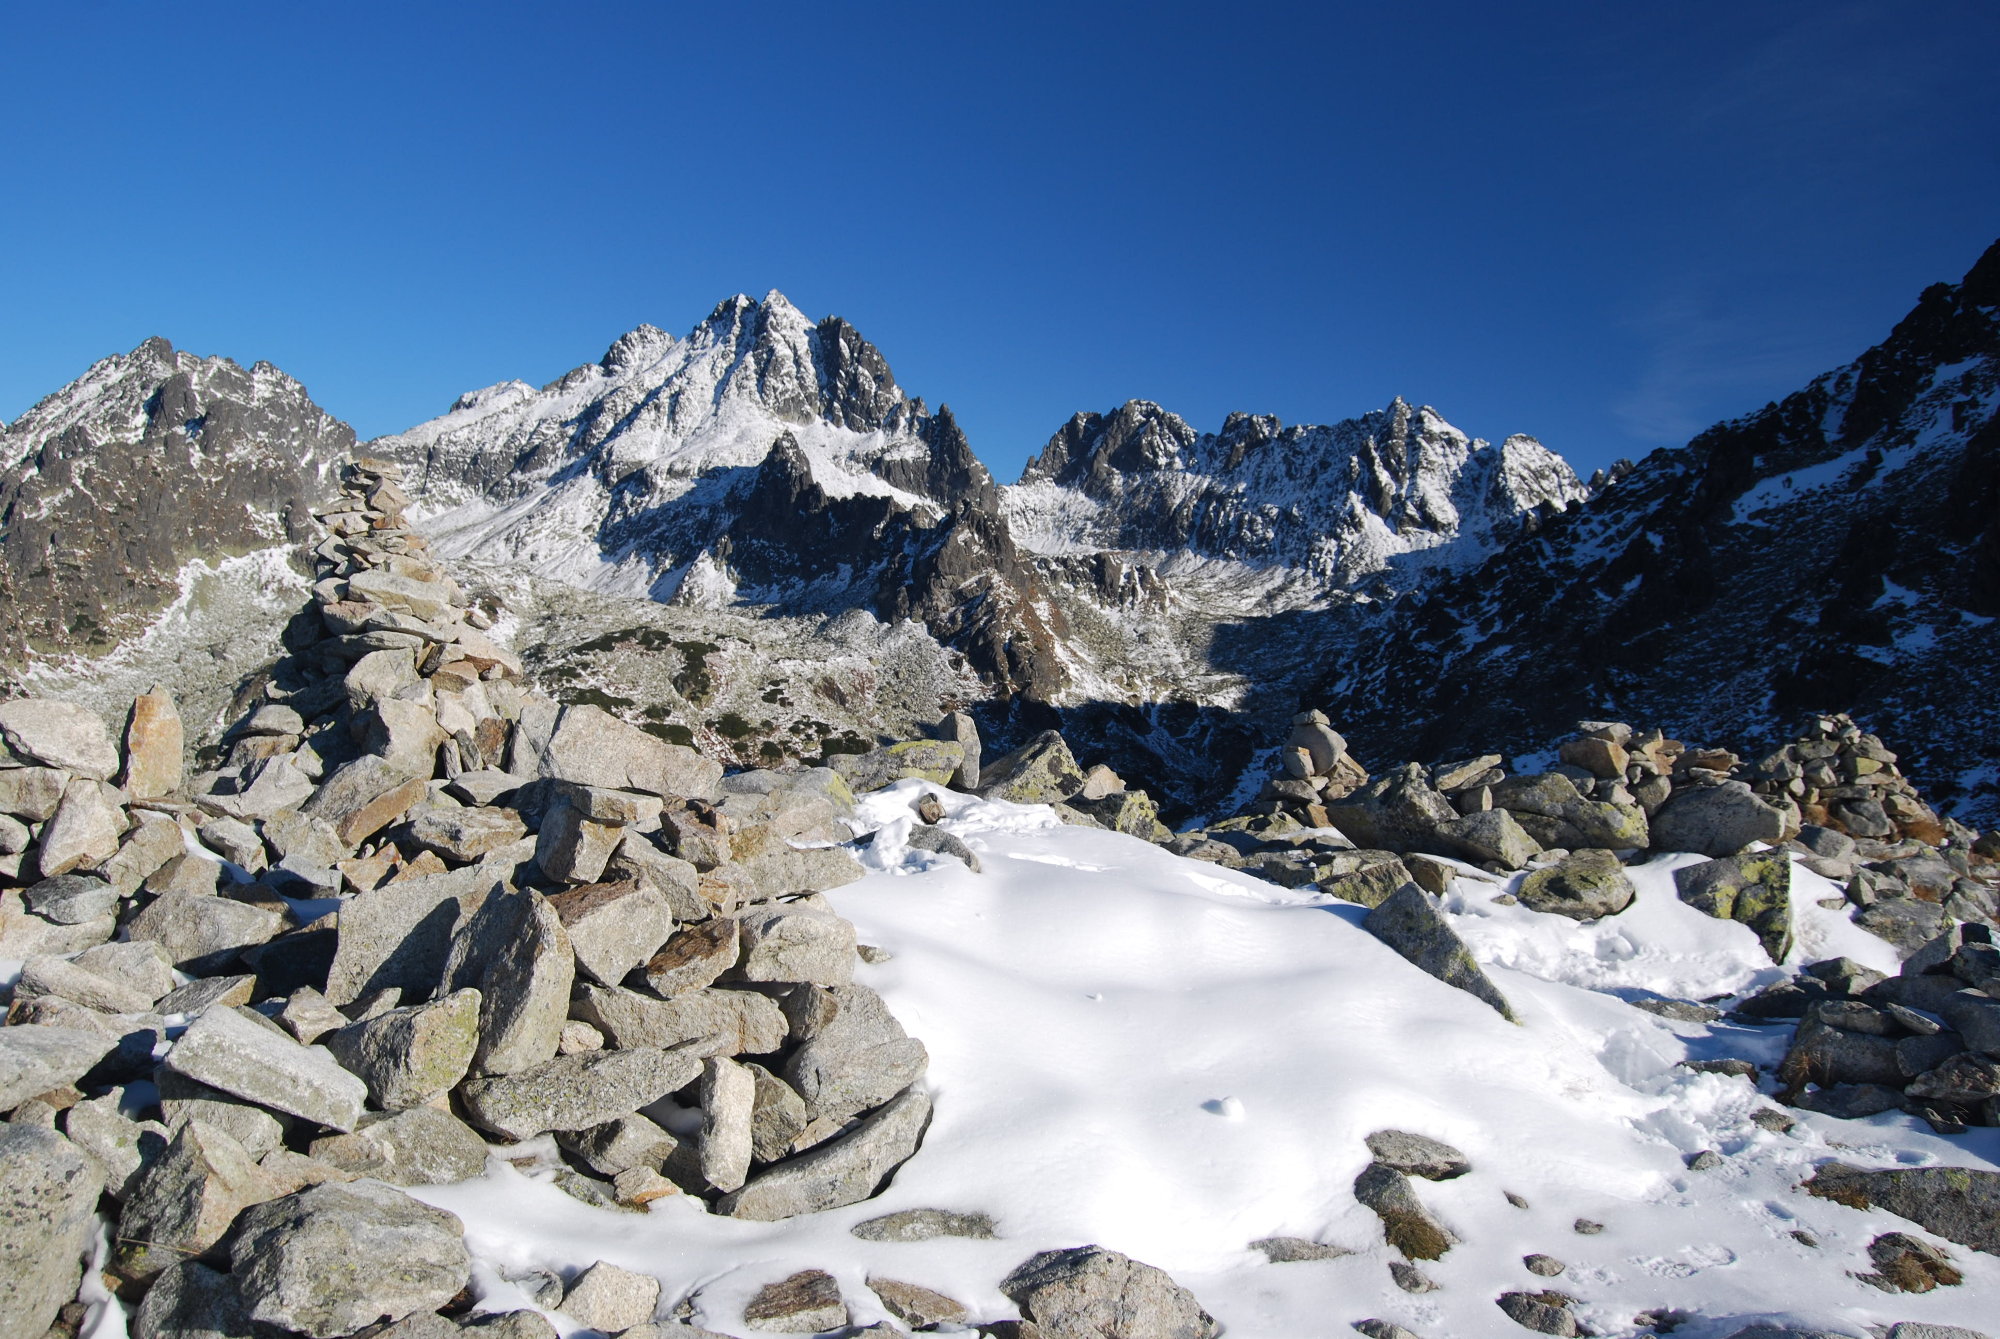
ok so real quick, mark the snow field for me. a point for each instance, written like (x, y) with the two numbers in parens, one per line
(1098, 1011)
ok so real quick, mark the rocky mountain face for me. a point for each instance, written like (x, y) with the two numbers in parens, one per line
(149, 460)
(1836, 551)
(763, 460)
(1335, 504)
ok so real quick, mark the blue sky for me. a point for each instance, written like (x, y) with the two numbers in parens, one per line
(1606, 225)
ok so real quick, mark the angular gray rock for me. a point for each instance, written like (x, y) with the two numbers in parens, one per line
(575, 1092)
(515, 952)
(613, 927)
(1409, 922)
(182, 1100)
(728, 1099)
(861, 1058)
(401, 933)
(48, 1217)
(620, 1145)
(187, 1199)
(1585, 885)
(1490, 835)
(778, 1115)
(411, 1055)
(423, 1146)
(591, 747)
(1417, 1155)
(1397, 811)
(608, 1298)
(191, 1301)
(71, 899)
(1540, 1313)
(84, 832)
(842, 1171)
(37, 1057)
(121, 1147)
(1087, 1292)
(327, 1261)
(260, 1064)
(203, 933)
(701, 1023)
(464, 835)
(787, 945)
(1041, 771)
(1716, 820)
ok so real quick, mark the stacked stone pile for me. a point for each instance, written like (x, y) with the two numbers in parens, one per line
(419, 913)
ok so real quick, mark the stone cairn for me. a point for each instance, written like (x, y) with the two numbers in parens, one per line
(418, 909)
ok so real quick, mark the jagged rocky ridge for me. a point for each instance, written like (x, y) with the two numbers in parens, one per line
(763, 459)
(1836, 551)
(150, 460)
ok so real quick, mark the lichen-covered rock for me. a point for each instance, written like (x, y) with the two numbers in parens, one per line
(411, 1055)
(48, 1216)
(1960, 1204)
(1087, 1292)
(1397, 811)
(933, 760)
(1754, 890)
(575, 1092)
(1584, 886)
(1041, 771)
(423, 1146)
(330, 1260)
(1490, 835)
(191, 1301)
(1411, 924)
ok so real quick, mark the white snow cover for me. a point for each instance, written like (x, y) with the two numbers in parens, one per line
(1173, 1060)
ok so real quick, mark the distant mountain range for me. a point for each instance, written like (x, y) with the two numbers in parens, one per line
(1167, 595)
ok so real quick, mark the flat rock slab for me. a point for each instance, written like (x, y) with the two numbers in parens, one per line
(843, 1171)
(575, 1092)
(203, 933)
(925, 1225)
(1087, 1292)
(36, 1057)
(59, 734)
(1716, 820)
(48, 1216)
(424, 1146)
(330, 1260)
(1417, 1155)
(703, 1022)
(258, 1063)
(858, 1059)
(591, 747)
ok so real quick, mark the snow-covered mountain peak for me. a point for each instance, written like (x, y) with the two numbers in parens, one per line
(1331, 502)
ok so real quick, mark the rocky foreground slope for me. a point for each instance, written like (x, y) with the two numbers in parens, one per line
(420, 923)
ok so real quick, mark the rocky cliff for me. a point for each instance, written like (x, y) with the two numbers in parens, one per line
(1837, 551)
(150, 460)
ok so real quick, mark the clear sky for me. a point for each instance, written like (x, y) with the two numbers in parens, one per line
(1604, 224)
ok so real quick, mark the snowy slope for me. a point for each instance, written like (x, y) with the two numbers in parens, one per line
(1174, 1060)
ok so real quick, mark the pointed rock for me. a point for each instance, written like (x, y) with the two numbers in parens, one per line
(153, 746)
